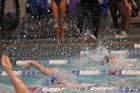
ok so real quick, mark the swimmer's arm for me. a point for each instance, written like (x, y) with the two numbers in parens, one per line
(20, 87)
(42, 68)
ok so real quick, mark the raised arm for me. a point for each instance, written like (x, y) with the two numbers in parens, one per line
(40, 67)
(20, 87)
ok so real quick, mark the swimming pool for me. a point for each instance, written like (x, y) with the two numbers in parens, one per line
(87, 67)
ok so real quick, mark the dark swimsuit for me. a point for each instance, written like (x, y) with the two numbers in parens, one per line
(57, 2)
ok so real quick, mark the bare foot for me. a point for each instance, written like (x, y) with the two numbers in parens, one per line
(57, 37)
(6, 64)
(62, 37)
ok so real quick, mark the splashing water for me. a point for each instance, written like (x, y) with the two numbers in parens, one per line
(95, 57)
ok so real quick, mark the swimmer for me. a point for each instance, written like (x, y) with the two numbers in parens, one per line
(56, 81)
(20, 87)
(119, 62)
(138, 6)
(59, 13)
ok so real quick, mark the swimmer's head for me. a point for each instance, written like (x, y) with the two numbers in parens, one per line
(56, 80)
(111, 59)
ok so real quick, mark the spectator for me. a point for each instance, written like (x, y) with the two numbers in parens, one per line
(8, 14)
(125, 9)
(85, 7)
(59, 13)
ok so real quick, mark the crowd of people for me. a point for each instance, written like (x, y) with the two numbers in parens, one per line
(83, 8)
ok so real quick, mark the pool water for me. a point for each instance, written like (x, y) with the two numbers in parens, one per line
(88, 60)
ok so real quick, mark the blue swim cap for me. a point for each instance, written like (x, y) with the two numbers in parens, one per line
(53, 78)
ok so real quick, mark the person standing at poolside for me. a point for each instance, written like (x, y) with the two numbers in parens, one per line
(125, 9)
(113, 10)
(59, 13)
(10, 4)
(16, 10)
(85, 7)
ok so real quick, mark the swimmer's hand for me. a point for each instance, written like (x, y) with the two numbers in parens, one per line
(6, 64)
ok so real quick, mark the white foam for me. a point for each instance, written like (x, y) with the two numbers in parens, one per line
(130, 72)
(122, 52)
(46, 89)
(136, 45)
(52, 90)
(15, 72)
(58, 62)
(22, 62)
(102, 88)
(86, 72)
(4, 73)
(90, 72)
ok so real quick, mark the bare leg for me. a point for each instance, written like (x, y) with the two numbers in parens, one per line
(22, 5)
(128, 18)
(126, 13)
(113, 10)
(40, 67)
(62, 7)
(55, 11)
(20, 87)
(9, 6)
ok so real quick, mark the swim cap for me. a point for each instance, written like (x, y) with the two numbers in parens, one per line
(53, 78)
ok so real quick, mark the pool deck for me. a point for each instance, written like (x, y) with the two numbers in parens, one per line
(37, 42)
(42, 43)
(38, 30)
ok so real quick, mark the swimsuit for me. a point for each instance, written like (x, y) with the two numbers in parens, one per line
(57, 2)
